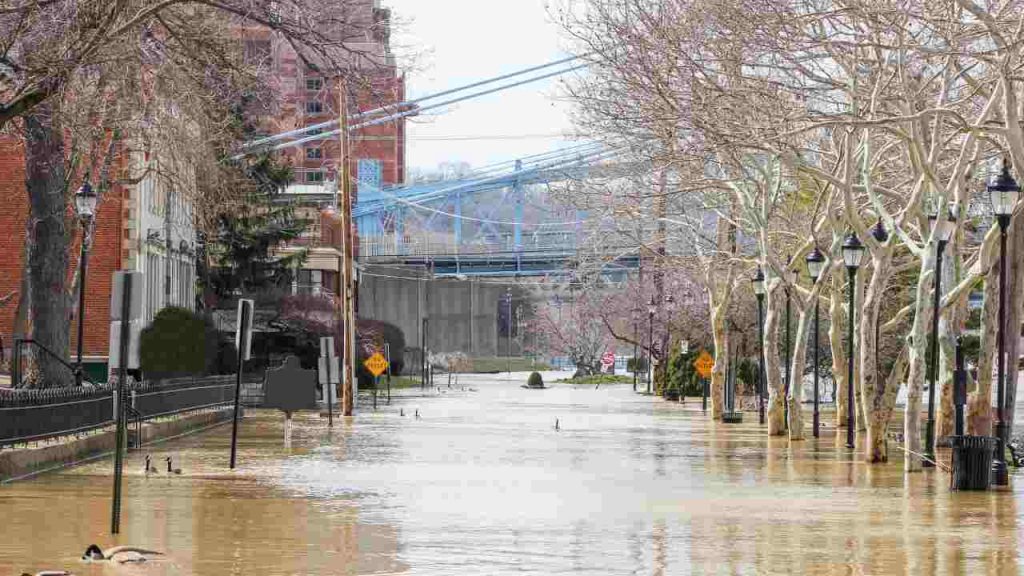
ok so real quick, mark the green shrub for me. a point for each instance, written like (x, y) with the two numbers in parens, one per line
(746, 376)
(179, 342)
(535, 380)
(636, 364)
(682, 375)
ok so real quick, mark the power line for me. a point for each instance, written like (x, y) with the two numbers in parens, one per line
(490, 137)
(419, 109)
(410, 107)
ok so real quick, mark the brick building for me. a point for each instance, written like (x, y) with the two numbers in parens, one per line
(377, 153)
(149, 228)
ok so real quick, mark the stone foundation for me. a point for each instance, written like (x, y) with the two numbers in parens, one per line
(20, 463)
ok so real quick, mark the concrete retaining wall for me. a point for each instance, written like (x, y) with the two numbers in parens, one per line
(25, 462)
(463, 313)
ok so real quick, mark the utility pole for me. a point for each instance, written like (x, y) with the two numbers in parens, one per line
(348, 256)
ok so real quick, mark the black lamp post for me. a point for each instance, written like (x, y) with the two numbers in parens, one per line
(785, 387)
(85, 205)
(815, 264)
(651, 309)
(942, 230)
(758, 283)
(881, 235)
(1003, 194)
(636, 344)
(670, 307)
(853, 252)
(508, 332)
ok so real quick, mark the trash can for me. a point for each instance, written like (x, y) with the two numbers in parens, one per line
(972, 462)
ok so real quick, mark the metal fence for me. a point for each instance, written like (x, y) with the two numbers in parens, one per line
(32, 415)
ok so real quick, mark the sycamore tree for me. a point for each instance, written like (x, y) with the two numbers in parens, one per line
(816, 121)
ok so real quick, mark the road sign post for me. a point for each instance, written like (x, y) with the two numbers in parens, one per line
(376, 364)
(608, 361)
(704, 365)
(243, 343)
(328, 365)
(387, 354)
(125, 307)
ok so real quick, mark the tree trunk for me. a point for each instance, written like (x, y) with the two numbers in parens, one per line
(1014, 303)
(49, 243)
(837, 324)
(873, 388)
(949, 326)
(915, 380)
(772, 369)
(721, 340)
(805, 317)
(979, 404)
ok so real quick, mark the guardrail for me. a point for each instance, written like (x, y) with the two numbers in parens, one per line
(34, 415)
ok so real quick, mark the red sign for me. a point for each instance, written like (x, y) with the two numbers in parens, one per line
(608, 359)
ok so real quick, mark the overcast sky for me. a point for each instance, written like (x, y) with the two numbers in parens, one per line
(457, 42)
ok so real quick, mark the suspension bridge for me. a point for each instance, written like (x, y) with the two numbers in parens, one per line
(499, 220)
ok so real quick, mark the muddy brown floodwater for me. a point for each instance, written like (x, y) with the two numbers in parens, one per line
(482, 483)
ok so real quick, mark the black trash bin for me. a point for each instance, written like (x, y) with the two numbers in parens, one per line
(972, 462)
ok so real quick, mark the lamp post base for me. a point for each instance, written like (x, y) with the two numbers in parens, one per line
(1000, 472)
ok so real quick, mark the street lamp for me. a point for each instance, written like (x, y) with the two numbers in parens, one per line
(1003, 194)
(85, 205)
(853, 253)
(789, 369)
(670, 307)
(508, 332)
(636, 343)
(651, 309)
(758, 283)
(942, 231)
(815, 265)
(880, 234)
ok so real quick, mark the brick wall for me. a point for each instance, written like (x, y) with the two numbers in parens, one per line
(105, 258)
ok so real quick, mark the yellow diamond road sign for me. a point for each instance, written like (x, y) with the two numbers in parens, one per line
(376, 364)
(704, 363)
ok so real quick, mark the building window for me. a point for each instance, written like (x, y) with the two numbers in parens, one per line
(314, 153)
(314, 107)
(315, 177)
(314, 131)
(314, 84)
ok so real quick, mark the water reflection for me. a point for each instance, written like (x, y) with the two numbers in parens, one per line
(482, 483)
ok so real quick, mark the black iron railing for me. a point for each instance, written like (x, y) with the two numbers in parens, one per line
(33, 415)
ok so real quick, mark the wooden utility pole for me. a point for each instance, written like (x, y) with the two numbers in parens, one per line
(348, 315)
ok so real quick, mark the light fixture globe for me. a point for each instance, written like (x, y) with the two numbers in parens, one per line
(815, 264)
(85, 201)
(651, 306)
(853, 251)
(1003, 192)
(670, 302)
(758, 282)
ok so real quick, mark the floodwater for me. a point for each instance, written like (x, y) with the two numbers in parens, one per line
(482, 483)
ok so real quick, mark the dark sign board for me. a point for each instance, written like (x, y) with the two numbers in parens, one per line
(291, 388)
